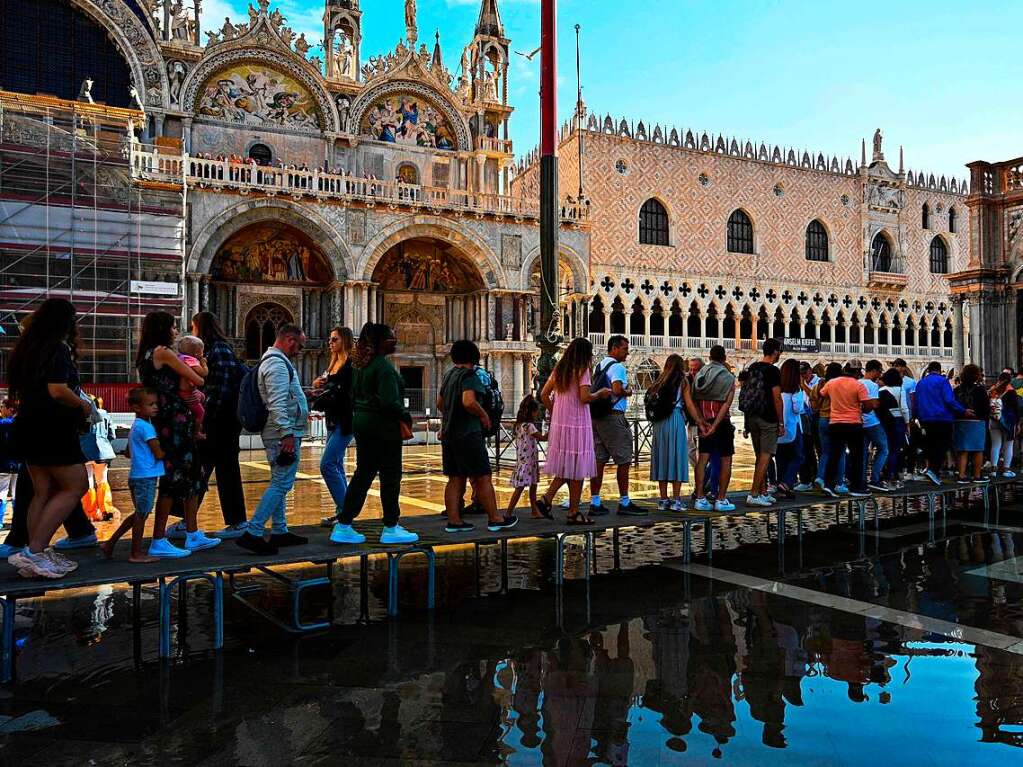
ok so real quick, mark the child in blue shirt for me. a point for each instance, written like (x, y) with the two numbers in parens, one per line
(146, 468)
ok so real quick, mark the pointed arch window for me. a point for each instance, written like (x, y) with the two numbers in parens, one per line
(816, 242)
(653, 223)
(953, 224)
(881, 253)
(925, 216)
(939, 256)
(740, 233)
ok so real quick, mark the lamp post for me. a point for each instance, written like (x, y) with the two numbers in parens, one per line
(547, 337)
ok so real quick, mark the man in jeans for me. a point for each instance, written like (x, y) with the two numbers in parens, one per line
(463, 447)
(766, 421)
(849, 401)
(288, 412)
(873, 431)
(612, 437)
(937, 409)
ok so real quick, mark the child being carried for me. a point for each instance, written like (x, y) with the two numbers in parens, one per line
(190, 351)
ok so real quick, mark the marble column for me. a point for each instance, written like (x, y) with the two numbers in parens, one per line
(518, 392)
(958, 341)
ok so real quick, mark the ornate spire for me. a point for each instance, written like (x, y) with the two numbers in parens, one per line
(489, 24)
(436, 62)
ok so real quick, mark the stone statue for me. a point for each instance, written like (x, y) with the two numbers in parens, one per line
(301, 45)
(176, 71)
(253, 16)
(410, 15)
(344, 108)
(179, 21)
(227, 31)
(877, 142)
(85, 92)
(212, 38)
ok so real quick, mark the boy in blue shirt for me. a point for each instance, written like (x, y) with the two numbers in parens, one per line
(146, 468)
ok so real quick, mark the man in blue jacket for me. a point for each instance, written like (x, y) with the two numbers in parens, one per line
(937, 409)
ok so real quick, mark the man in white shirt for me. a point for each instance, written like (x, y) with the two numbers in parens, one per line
(873, 431)
(612, 437)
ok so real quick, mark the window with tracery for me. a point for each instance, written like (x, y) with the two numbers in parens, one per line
(740, 233)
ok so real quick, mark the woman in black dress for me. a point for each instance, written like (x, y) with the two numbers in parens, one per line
(160, 369)
(43, 377)
(219, 451)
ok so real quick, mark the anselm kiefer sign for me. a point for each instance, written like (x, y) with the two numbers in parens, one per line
(800, 345)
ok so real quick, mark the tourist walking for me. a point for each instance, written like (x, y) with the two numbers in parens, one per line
(849, 401)
(146, 468)
(80, 532)
(381, 422)
(612, 437)
(99, 452)
(287, 415)
(893, 410)
(808, 379)
(161, 370)
(970, 431)
(713, 393)
(937, 409)
(873, 432)
(528, 437)
(219, 452)
(463, 446)
(666, 400)
(570, 448)
(43, 379)
(1004, 424)
(822, 407)
(334, 400)
(790, 444)
(761, 403)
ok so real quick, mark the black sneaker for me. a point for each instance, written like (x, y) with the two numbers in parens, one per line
(459, 527)
(505, 524)
(632, 510)
(288, 539)
(255, 545)
(878, 487)
(599, 511)
(858, 494)
(473, 508)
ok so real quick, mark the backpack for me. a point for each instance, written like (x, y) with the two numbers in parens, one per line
(492, 401)
(659, 404)
(601, 408)
(753, 394)
(252, 411)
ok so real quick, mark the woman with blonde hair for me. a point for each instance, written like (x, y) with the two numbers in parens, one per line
(669, 451)
(570, 455)
(334, 400)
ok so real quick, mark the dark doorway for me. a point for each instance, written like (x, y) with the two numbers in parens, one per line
(412, 377)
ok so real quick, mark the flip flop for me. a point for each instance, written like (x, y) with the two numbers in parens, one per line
(578, 519)
(544, 508)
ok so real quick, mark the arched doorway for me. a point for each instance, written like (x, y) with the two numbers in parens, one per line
(261, 154)
(261, 325)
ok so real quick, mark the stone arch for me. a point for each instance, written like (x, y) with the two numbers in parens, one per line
(209, 239)
(136, 44)
(443, 103)
(580, 270)
(472, 246)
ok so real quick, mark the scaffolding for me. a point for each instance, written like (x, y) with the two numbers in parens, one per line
(76, 223)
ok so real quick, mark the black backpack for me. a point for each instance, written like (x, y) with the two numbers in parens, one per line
(493, 402)
(659, 404)
(601, 408)
(753, 394)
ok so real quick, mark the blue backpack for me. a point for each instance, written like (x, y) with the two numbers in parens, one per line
(252, 411)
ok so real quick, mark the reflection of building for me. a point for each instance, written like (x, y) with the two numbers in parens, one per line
(701, 239)
(344, 189)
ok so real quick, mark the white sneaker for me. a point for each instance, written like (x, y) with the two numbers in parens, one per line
(164, 549)
(60, 561)
(702, 504)
(842, 489)
(199, 541)
(758, 500)
(770, 499)
(1008, 474)
(565, 504)
(678, 505)
(803, 487)
(398, 534)
(663, 504)
(344, 534)
(724, 505)
(177, 531)
(31, 565)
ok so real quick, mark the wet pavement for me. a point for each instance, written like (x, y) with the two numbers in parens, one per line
(911, 654)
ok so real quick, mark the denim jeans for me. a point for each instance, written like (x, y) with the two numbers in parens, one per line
(143, 494)
(282, 480)
(332, 466)
(822, 465)
(874, 435)
(790, 458)
(896, 448)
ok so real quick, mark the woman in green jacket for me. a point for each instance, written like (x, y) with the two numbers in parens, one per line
(379, 399)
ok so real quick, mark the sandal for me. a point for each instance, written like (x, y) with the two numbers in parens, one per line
(544, 508)
(578, 519)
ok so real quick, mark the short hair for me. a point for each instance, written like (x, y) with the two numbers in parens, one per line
(771, 346)
(615, 341)
(193, 343)
(804, 366)
(465, 353)
(970, 374)
(934, 367)
(873, 365)
(900, 363)
(137, 394)
(289, 329)
(892, 377)
(717, 353)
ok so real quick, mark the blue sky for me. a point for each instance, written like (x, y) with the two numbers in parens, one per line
(942, 78)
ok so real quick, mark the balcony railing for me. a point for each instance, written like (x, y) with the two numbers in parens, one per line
(247, 177)
(488, 144)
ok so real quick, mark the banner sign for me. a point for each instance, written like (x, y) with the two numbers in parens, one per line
(800, 345)
(154, 288)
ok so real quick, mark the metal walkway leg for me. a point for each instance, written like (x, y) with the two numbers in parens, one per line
(7, 659)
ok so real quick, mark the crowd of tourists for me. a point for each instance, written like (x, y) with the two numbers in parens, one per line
(852, 430)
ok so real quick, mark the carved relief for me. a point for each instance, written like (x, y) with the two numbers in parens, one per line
(357, 227)
(511, 250)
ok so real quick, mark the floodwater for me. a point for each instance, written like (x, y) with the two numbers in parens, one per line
(911, 653)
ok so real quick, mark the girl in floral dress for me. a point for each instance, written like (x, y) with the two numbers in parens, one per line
(527, 454)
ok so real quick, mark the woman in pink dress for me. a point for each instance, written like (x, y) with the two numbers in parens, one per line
(570, 457)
